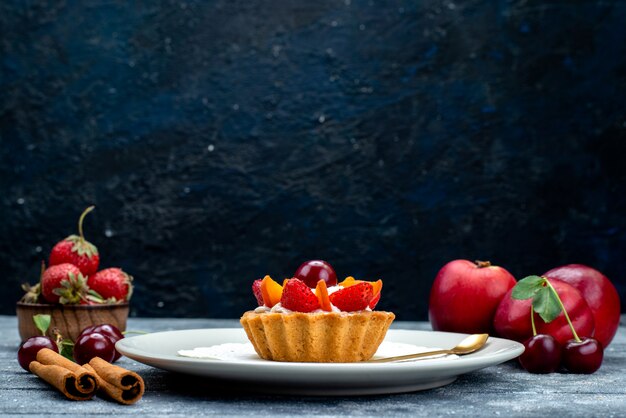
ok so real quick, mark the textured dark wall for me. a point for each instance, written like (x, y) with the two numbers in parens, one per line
(224, 140)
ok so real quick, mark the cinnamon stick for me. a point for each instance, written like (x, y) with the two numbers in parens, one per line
(119, 384)
(75, 382)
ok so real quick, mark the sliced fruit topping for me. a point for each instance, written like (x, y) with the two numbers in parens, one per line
(256, 289)
(353, 298)
(299, 297)
(322, 296)
(377, 287)
(374, 301)
(271, 291)
(349, 281)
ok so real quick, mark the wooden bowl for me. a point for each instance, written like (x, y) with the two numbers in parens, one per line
(70, 319)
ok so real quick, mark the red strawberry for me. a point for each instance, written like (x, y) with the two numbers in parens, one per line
(63, 283)
(112, 283)
(353, 298)
(77, 251)
(256, 289)
(298, 297)
(375, 301)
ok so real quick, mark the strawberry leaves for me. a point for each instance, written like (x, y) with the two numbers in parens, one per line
(72, 290)
(95, 297)
(81, 246)
(33, 293)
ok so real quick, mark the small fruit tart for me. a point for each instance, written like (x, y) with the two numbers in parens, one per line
(296, 323)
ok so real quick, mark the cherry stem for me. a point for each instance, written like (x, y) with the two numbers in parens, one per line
(569, 321)
(80, 222)
(532, 320)
(57, 336)
(482, 264)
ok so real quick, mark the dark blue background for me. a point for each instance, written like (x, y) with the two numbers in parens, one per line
(224, 140)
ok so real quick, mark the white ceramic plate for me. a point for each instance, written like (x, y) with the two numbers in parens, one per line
(160, 350)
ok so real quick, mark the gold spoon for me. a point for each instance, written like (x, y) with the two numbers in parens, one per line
(468, 345)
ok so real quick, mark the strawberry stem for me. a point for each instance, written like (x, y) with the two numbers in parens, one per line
(532, 319)
(80, 222)
(569, 322)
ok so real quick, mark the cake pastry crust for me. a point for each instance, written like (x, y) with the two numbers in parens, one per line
(320, 337)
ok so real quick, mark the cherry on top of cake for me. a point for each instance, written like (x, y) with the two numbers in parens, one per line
(297, 295)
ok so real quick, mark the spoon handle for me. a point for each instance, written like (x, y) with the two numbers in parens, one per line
(409, 356)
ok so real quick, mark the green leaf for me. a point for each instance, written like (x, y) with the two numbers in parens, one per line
(94, 296)
(546, 304)
(527, 287)
(42, 322)
(67, 349)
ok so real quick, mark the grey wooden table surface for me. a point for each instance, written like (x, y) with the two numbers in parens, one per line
(504, 390)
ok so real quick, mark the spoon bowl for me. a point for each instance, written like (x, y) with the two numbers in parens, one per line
(470, 344)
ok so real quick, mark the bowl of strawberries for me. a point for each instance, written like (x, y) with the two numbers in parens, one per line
(74, 292)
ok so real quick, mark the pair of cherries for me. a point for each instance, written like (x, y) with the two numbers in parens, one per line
(544, 354)
(97, 341)
(93, 341)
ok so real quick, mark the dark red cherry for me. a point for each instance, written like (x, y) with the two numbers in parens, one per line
(108, 330)
(88, 346)
(542, 354)
(28, 351)
(311, 272)
(584, 356)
